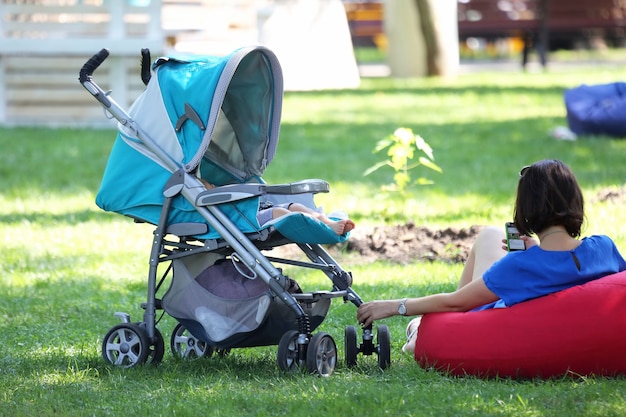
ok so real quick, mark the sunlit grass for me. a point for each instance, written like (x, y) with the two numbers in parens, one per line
(66, 266)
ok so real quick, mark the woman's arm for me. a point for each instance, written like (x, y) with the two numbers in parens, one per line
(465, 298)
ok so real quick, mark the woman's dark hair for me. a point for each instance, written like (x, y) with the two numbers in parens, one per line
(548, 195)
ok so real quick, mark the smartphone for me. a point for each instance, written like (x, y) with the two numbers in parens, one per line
(513, 241)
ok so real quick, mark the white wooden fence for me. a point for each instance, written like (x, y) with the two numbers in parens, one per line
(44, 43)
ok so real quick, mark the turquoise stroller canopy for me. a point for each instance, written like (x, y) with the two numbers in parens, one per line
(218, 116)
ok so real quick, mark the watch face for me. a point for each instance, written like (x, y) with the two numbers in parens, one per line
(402, 308)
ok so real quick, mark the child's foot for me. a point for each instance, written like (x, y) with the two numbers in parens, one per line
(348, 226)
(341, 226)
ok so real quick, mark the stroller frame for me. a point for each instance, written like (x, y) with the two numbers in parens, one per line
(132, 343)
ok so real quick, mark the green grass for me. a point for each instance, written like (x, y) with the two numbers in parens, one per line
(67, 266)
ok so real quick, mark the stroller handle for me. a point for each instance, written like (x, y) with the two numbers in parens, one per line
(111, 107)
(90, 66)
(85, 79)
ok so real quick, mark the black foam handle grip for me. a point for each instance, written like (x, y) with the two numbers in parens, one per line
(145, 66)
(90, 66)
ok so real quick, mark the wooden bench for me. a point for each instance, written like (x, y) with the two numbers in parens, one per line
(533, 21)
(536, 21)
(44, 43)
(365, 21)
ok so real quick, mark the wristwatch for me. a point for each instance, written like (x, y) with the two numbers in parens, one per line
(402, 307)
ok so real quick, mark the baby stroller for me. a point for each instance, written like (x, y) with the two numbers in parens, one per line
(216, 119)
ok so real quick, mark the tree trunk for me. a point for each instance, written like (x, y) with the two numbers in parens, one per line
(429, 32)
(422, 37)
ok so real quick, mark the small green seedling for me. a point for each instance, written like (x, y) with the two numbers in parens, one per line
(402, 147)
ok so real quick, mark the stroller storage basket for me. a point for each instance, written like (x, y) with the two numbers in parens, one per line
(224, 308)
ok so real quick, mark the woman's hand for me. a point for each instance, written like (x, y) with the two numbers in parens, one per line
(529, 242)
(472, 295)
(375, 310)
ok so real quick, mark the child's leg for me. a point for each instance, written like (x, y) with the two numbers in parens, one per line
(265, 215)
(301, 208)
(278, 212)
(339, 226)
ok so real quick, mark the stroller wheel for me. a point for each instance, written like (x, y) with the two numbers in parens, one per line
(157, 350)
(384, 347)
(350, 346)
(321, 355)
(287, 356)
(126, 345)
(185, 345)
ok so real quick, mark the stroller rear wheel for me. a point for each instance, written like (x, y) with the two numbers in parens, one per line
(321, 355)
(156, 350)
(127, 345)
(185, 345)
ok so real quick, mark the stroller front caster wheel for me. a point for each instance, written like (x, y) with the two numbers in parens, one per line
(321, 355)
(367, 348)
(384, 347)
(127, 345)
(184, 345)
(351, 349)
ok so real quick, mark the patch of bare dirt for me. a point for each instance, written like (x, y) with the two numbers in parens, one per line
(409, 243)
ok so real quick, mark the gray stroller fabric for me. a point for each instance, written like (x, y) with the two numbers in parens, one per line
(220, 298)
(225, 281)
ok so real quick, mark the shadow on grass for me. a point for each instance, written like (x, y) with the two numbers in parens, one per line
(57, 326)
(69, 218)
(476, 158)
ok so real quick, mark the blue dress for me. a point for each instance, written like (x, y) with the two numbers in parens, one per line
(523, 275)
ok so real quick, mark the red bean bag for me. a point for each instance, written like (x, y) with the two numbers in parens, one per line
(577, 331)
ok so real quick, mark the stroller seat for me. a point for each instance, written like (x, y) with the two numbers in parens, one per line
(291, 228)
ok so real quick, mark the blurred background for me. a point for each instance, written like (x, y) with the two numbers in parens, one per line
(321, 44)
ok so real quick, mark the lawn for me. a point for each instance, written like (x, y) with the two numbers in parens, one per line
(67, 266)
